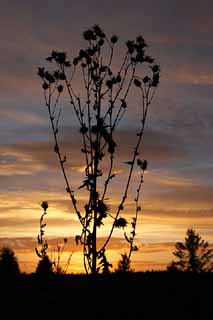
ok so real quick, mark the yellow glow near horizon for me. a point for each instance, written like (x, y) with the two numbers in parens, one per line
(150, 256)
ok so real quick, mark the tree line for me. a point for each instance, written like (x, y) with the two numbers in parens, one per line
(193, 256)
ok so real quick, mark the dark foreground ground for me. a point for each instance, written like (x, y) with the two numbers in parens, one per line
(152, 295)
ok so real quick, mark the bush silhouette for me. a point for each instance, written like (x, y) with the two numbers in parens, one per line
(44, 266)
(124, 264)
(193, 255)
(8, 263)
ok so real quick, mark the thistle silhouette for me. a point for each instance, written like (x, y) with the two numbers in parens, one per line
(99, 109)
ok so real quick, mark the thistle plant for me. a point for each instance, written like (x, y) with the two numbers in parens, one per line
(57, 255)
(43, 244)
(54, 262)
(99, 108)
(44, 266)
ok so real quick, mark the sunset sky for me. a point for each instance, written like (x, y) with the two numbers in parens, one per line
(178, 188)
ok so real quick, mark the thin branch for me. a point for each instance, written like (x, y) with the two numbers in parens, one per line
(61, 160)
(137, 209)
(120, 207)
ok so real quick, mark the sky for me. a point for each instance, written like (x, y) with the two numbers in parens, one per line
(178, 187)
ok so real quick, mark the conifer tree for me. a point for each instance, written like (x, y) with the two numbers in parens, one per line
(193, 255)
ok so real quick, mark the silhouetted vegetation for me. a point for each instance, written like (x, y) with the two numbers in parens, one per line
(193, 255)
(146, 296)
(8, 263)
(49, 265)
(138, 295)
(56, 258)
(99, 107)
(44, 267)
(124, 264)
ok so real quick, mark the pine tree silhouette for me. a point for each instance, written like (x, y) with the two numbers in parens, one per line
(193, 255)
(8, 263)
